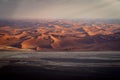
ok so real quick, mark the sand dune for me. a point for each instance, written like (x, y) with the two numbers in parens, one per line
(56, 42)
(61, 36)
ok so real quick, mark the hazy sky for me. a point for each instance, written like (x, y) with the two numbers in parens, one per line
(60, 9)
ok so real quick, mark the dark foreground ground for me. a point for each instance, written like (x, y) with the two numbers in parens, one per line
(38, 73)
(60, 66)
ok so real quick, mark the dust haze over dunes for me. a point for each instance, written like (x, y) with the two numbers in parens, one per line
(60, 35)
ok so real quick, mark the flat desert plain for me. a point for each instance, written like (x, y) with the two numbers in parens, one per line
(60, 65)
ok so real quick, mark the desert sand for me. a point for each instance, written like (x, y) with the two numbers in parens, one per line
(59, 35)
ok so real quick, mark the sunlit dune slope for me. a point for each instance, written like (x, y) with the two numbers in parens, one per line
(61, 35)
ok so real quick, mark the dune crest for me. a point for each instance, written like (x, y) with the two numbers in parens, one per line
(60, 35)
(56, 42)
